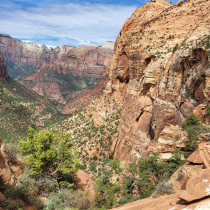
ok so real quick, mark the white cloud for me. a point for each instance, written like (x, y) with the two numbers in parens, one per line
(71, 24)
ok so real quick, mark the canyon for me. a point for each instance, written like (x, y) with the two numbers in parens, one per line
(60, 73)
(81, 67)
(159, 76)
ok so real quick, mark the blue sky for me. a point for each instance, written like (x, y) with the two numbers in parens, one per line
(60, 22)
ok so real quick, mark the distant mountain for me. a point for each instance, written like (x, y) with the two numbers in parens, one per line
(23, 58)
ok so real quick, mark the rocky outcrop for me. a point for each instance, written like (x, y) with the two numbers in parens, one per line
(84, 182)
(9, 170)
(3, 69)
(160, 70)
(191, 183)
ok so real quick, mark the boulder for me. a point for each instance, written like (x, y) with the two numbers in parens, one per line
(172, 135)
(84, 182)
(2, 197)
(197, 186)
(195, 157)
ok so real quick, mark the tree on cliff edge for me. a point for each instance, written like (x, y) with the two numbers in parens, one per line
(49, 152)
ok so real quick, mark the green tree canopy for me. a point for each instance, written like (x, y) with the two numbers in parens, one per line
(49, 152)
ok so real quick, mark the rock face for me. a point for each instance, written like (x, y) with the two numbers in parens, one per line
(3, 69)
(160, 70)
(86, 62)
(84, 182)
(16, 51)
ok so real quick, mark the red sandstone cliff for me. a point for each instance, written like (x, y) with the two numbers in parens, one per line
(30, 53)
(85, 61)
(160, 61)
(3, 69)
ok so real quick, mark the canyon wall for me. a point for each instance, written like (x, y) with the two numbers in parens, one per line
(160, 70)
(86, 61)
(80, 68)
(3, 69)
(16, 51)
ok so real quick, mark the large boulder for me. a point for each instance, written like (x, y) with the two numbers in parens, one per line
(84, 182)
(197, 186)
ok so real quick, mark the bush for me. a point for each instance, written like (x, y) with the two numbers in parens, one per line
(19, 192)
(193, 128)
(11, 150)
(175, 48)
(163, 188)
(190, 121)
(69, 199)
(111, 156)
(81, 167)
(123, 201)
(180, 176)
(9, 204)
(208, 111)
(49, 152)
(95, 157)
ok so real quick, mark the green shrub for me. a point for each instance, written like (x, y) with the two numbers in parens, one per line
(111, 156)
(69, 199)
(123, 201)
(163, 188)
(175, 48)
(11, 150)
(95, 157)
(81, 167)
(208, 111)
(193, 128)
(49, 152)
(180, 175)
(191, 120)
(9, 204)
(19, 192)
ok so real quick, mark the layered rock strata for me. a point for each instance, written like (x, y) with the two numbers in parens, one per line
(85, 61)
(160, 70)
(16, 51)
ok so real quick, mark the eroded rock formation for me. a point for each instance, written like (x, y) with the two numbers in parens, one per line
(160, 70)
(84, 61)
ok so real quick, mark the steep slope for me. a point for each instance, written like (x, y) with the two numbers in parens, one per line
(160, 70)
(21, 108)
(80, 68)
(27, 57)
(80, 99)
(3, 69)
